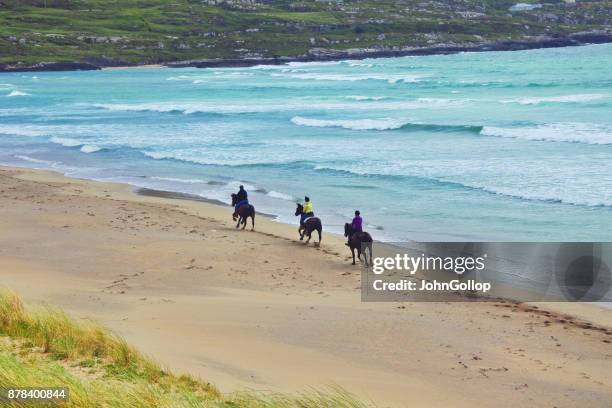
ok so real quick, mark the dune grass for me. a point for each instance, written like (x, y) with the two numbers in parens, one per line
(44, 347)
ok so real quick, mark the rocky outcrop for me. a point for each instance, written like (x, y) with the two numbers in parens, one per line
(329, 54)
(50, 66)
(326, 54)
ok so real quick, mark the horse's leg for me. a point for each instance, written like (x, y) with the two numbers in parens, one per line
(319, 232)
(244, 221)
(301, 232)
(353, 253)
(239, 219)
(359, 252)
(253, 222)
(309, 236)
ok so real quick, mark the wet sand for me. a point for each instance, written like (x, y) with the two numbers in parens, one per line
(261, 310)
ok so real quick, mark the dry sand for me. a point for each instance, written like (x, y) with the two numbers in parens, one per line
(260, 310)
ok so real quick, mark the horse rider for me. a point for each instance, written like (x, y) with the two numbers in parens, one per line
(307, 211)
(356, 225)
(241, 198)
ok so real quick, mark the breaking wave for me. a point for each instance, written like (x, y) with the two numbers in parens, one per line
(536, 100)
(17, 93)
(555, 132)
(355, 124)
(382, 124)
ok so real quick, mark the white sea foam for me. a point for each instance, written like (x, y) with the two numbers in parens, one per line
(179, 78)
(535, 100)
(64, 141)
(555, 132)
(365, 98)
(184, 107)
(276, 194)
(439, 102)
(357, 64)
(355, 124)
(312, 63)
(90, 149)
(223, 160)
(159, 155)
(191, 158)
(34, 160)
(492, 177)
(69, 142)
(573, 199)
(179, 180)
(22, 130)
(17, 93)
(392, 79)
(188, 107)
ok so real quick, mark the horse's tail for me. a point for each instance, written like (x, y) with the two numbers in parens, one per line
(252, 208)
(319, 228)
(366, 244)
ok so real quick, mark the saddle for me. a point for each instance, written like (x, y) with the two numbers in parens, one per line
(240, 204)
(307, 218)
(356, 235)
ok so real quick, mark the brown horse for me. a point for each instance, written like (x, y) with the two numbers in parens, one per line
(360, 241)
(310, 224)
(243, 213)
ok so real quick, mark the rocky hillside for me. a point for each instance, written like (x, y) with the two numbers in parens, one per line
(127, 32)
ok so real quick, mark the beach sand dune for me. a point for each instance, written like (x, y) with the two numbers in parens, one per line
(260, 310)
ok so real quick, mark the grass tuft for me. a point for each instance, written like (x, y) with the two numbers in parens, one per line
(44, 347)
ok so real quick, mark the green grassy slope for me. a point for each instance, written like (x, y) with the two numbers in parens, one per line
(45, 348)
(115, 32)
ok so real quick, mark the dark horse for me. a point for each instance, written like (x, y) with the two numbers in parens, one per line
(359, 241)
(243, 213)
(311, 224)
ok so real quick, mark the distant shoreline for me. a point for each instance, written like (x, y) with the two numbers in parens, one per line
(322, 54)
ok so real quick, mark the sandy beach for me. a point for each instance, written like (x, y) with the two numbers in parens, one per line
(260, 310)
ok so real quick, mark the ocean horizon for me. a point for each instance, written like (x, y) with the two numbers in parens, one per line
(495, 146)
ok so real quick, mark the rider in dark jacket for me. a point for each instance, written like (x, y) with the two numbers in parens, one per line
(241, 197)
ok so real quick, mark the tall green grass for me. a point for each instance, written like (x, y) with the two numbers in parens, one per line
(44, 347)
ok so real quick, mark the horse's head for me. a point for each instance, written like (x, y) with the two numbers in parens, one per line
(299, 210)
(347, 229)
(234, 199)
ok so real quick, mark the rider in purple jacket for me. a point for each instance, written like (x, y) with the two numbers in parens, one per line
(356, 224)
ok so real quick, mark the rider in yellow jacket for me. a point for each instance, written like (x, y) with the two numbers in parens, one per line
(308, 210)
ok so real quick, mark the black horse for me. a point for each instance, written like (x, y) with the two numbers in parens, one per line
(360, 241)
(311, 224)
(243, 213)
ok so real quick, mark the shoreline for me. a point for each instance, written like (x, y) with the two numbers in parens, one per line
(177, 195)
(507, 292)
(324, 54)
(241, 309)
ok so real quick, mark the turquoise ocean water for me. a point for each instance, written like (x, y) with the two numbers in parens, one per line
(507, 146)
